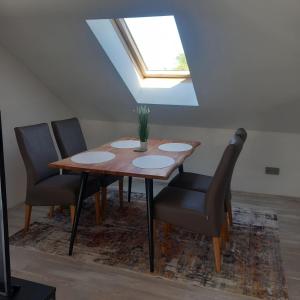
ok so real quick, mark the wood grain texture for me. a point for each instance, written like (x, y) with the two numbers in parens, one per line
(217, 253)
(122, 165)
(72, 213)
(51, 211)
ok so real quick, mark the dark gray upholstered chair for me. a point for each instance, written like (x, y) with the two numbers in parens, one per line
(45, 186)
(242, 133)
(201, 212)
(70, 141)
(201, 183)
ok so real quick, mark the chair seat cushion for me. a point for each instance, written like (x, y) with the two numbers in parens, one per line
(196, 182)
(191, 181)
(59, 190)
(184, 208)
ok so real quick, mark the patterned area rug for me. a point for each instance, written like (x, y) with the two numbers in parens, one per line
(251, 262)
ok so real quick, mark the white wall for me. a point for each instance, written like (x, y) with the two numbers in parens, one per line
(243, 55)
(261, 149)
(144, 90)
(23, 101)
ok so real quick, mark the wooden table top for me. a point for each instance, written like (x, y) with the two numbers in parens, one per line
(122, 165)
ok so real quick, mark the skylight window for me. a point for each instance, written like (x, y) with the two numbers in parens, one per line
(154, 45)
(142, 56)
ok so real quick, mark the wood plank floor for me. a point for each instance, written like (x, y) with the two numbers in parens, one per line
(87, 281)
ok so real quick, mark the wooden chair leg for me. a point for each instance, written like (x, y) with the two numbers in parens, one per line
(28, 209)
(224, 231)
(229, 213)
(51, 212)
(166, 246)
(167, 230)
(121, 183)
(224, 234)
(103, 197)
(217, 253)
(72, 213)
(98, 208)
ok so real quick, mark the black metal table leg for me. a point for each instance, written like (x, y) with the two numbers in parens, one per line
(180, 169)
(129, 188)
(84, 177)
(149, 197)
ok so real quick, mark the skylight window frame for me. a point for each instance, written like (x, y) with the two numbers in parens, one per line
(137, 58)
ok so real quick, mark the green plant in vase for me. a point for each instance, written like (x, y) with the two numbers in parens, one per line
(143, 116)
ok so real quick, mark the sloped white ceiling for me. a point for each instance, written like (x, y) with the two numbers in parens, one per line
(244, 58)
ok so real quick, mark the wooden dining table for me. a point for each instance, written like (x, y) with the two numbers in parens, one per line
(121, 165)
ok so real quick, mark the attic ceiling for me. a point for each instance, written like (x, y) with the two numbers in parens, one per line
(244, 58)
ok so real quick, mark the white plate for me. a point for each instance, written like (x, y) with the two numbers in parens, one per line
(126, 144)
(92, 157)
(175, 147)
(153, 162)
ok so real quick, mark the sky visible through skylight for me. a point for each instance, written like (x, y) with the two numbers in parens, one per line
(159, 43)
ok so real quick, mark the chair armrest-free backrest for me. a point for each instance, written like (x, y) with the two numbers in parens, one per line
(242, 133)
(37, 150)
(215, 197)
(69, 137)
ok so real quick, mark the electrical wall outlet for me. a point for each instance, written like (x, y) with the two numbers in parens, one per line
(272, 171)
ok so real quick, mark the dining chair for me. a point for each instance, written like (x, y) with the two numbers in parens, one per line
(242, 133)
(199, 212)
(201, 182)
(45, 186)
(70, 141)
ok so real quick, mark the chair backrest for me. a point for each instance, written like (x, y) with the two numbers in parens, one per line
(242, 133)
(218, 189)
(69, 137)
(37, 150)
